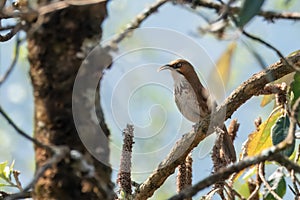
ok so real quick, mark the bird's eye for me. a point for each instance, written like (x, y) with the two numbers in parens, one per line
(178, 65)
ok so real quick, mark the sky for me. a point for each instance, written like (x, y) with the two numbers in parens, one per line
(134, 92)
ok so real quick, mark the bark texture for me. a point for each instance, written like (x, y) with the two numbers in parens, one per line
(54, 43)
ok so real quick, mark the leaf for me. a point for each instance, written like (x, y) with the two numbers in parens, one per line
(5, 185)
(211, 194)
(7, 173)
(258, 57)
(293, 53)
(277, 183)
(279, 132)
(2, 166)
(242, 188)
(249, 9)
(224, 63)
(260, 140)
(222, 71)
(295, 86)
(295, 89)
(266, 100)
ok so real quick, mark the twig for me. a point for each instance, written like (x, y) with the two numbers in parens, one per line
(293, 176)
(294, 181)
(11, 33)
(112, 45)
(59, 154)
(268, 15)
(190, 140)
(254, 193)
(22, 133)
(288, 164)
(270, 154)
(234, 192)
(16, 177)
(267, 155)
(266, 44)
(5, 28)
(14, 61)
(265, 182)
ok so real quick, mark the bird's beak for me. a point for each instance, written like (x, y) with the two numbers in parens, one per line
(164, 67)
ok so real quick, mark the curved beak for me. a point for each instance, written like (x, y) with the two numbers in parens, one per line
(164, 67)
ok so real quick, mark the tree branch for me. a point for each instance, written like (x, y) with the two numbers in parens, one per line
(272, 155)
(267, 155)
(11, 33)
(22, 133)
(140, 18)
(268, 15)
(60, 153)
(14, 61)
(261, 174)
(190, 140)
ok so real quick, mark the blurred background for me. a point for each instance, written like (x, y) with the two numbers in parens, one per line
(134, 92)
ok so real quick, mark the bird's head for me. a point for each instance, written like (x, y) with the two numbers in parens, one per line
(180, 66)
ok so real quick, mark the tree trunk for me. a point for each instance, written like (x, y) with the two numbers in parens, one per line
(54, 42)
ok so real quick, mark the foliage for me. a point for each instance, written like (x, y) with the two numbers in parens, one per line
(249, 9)
(6, 173)
(279, 132)
(277, 183)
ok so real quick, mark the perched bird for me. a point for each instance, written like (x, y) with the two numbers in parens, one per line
(193, 99)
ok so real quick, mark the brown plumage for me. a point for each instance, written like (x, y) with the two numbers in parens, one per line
(192, 99)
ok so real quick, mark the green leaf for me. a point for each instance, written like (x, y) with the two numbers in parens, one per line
(249, 9)
(2, 166)
(279, 132)
(277, 183)
(7, 173)
(295, 87)
(3, 169)
(5, 185)
(242, 188)
(295, 90)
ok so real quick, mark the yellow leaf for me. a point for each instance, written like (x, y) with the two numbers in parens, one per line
(261, 139)
(266, 100)
(224, 63)
(219, 76)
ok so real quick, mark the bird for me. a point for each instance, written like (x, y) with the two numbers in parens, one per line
(193, 100)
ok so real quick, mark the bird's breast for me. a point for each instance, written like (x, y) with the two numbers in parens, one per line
(186, 100)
